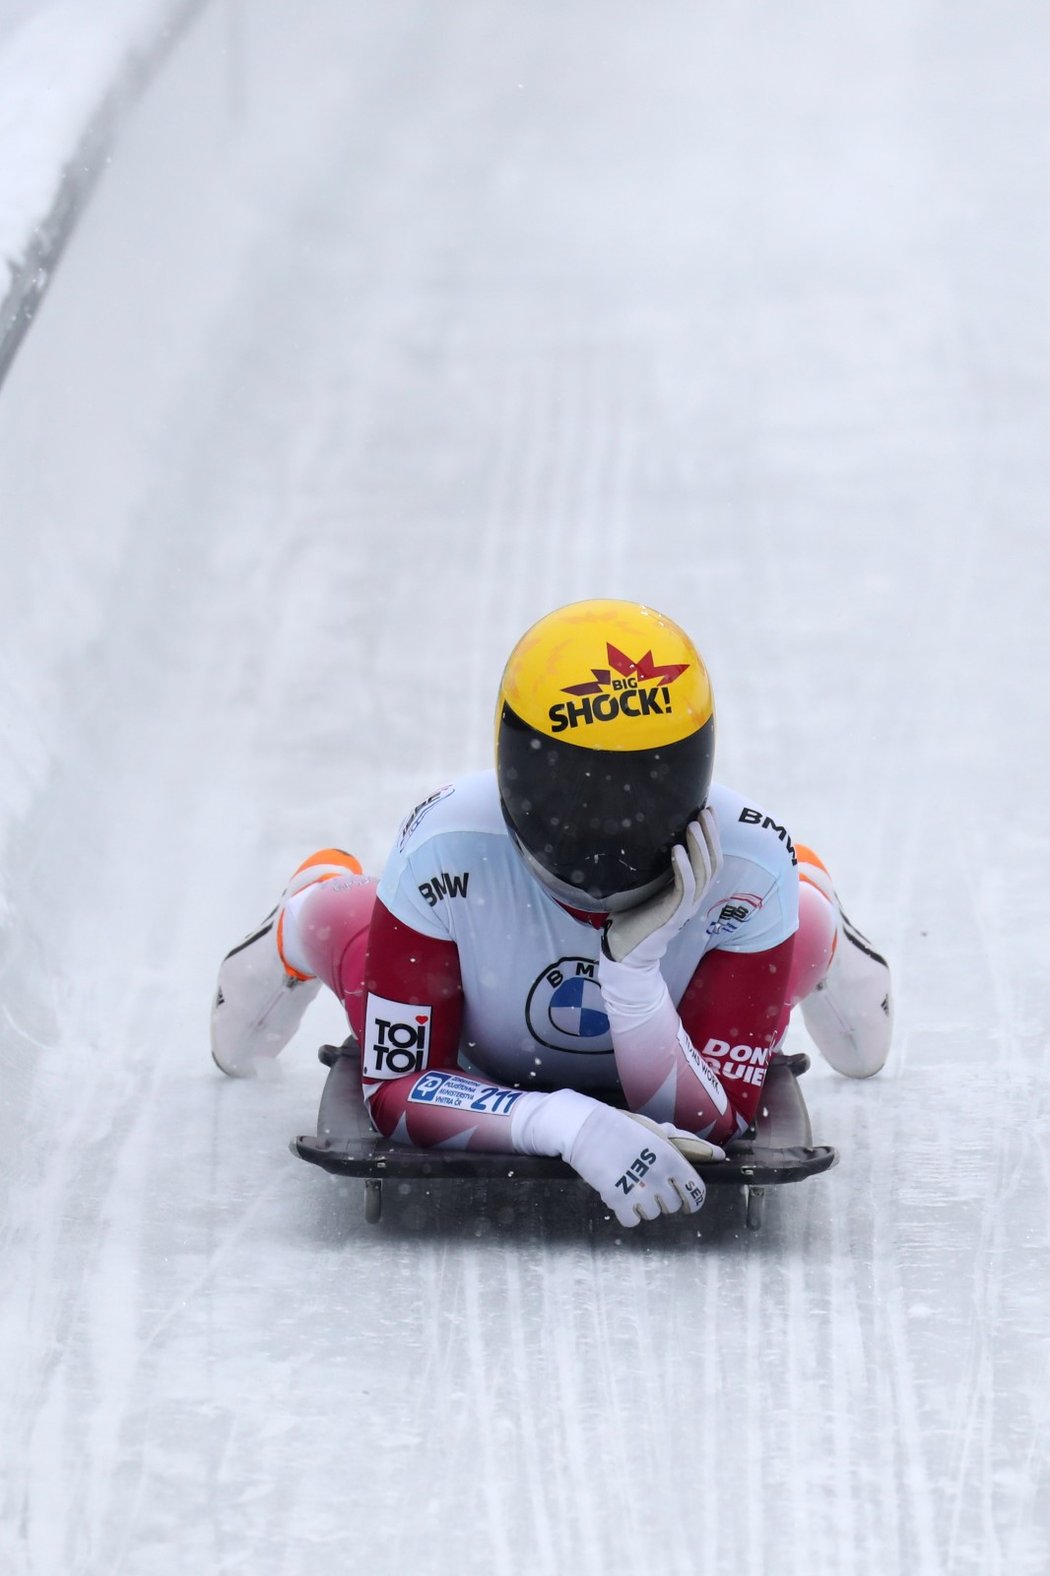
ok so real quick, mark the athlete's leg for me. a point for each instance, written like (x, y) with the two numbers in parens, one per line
(840, 981)
(269, 979)
(817, 934)
(325, 935)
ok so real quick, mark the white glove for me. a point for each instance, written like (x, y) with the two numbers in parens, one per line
(698, 1150)
(640, 936)
(628, 1159)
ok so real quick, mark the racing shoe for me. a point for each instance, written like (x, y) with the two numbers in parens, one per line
(261, 996)
(849, 1014)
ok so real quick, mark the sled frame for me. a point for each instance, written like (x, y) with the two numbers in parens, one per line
(779, 1149)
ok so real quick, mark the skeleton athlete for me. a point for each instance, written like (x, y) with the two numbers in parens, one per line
(592, 951)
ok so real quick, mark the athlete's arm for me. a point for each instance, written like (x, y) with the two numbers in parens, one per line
(413, 1013)
(410, 1034)
(703, 1064)
(680, 1066)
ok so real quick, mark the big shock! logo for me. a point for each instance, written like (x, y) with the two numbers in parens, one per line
(397, 1038)
(624, 689)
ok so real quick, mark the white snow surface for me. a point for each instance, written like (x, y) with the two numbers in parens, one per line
(389, 328)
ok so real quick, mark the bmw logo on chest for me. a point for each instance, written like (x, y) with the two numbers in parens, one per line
(565, 1011)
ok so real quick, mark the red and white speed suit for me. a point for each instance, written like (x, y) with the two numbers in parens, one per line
(467, 984)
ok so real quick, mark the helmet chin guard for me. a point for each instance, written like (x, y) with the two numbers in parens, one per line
(604, 750)
(578, 898)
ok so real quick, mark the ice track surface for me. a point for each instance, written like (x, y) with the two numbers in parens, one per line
(739, 309)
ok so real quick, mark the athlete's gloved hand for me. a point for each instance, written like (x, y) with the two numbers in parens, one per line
(640, 936)
(688, 1144)
(628, 1159)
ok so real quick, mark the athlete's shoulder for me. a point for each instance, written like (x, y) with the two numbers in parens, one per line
(468, 805)
(753, 903)
(455, 831)
(749, 831)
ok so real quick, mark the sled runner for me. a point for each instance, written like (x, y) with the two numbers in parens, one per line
(779, 1149)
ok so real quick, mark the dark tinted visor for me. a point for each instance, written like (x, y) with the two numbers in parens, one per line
(601, 822)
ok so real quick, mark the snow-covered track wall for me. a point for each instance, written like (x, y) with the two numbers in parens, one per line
(208, 150)
(217, 109)
(68, 76)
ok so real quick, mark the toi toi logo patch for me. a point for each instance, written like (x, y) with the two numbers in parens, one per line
(397, 1038)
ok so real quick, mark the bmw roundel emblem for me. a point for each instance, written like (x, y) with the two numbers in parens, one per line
(565, 1010)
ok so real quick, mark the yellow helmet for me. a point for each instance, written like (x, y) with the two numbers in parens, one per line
(604, 750)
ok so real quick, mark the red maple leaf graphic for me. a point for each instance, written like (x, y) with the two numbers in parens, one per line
(646, 670)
